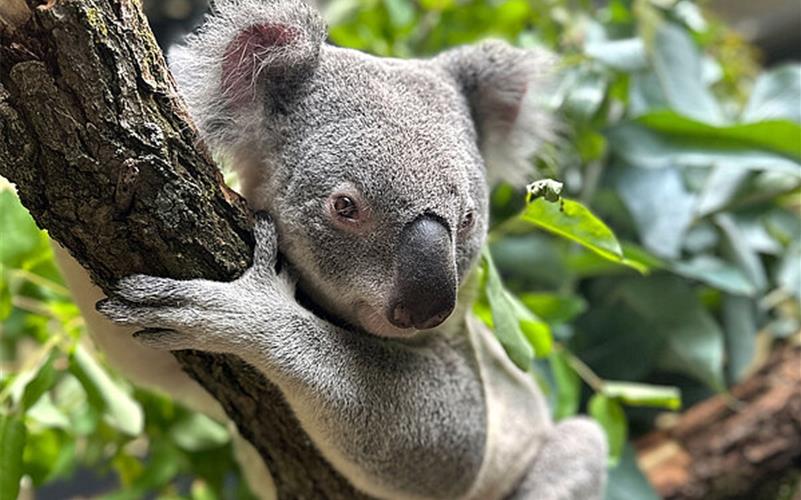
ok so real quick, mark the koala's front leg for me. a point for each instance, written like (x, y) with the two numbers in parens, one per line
(202, 314)
(397, 419)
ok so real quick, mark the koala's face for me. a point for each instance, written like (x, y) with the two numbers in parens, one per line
(379, 192)
(373, 169)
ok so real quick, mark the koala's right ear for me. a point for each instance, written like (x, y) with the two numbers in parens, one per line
(504, 87)
(245, 62)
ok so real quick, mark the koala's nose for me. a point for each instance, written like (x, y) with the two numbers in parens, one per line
(425, 286)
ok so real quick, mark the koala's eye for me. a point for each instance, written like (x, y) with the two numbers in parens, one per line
(345, 207)
(468, 221)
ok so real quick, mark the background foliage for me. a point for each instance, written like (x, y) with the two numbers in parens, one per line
(670, 134)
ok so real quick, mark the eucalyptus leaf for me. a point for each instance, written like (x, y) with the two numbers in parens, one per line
(717, 273)
(40, 384)
(12, 445)
(19, 235)
(720, 187)
(609, 413)
(666, 307)
(646, 148)
(747, 259)
(623, 55)
(788, 274)
(572, 220)
(198, 432)
(568, 386)
(120, 409)
(504, 318)
(554, 308)
(776, 95)
(660, 205)
(740, 322)
(635, 394)
(678, 64)
(778, 136)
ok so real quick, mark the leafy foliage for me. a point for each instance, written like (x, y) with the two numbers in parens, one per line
(674, 251)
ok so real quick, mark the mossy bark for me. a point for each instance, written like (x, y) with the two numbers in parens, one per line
(105, 157)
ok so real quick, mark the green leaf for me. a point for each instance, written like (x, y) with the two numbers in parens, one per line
(40, 384)
(645, 148)
(715, 273)
(20, 236)
(779, 136)
(504, 319)
(746, 257)
(39, 365)
(5, 295)
(568, 386)
(47, 414)
(609, 413)
(666, 309)
(536, 331)
(198, 432)
(788, 274)
(586, 94)
(776, 95)
(635, 394)
(627, 55)
(660, 205)
(572, 220)
(48, 453)
(121, 410)
(679, 67)
(12, 446)
(401, 12)
(554, 308)
(740, 329)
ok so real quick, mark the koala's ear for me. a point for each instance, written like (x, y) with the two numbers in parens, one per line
(246, 61)
(504, 87)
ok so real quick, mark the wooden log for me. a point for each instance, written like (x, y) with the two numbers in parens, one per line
(740, 445)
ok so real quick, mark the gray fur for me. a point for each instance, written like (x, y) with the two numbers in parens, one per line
(402, 414)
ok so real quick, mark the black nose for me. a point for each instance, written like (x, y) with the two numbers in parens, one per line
(425, 283)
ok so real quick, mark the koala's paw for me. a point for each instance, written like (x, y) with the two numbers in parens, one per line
(201, 314)
(174, 314)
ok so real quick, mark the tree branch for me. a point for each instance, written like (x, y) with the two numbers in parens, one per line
(742, 445)
(106, 159)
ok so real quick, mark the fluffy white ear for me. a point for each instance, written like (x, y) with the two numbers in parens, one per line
(504, 87)
(245, 62)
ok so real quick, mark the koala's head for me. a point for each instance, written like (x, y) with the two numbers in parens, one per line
(375, 170)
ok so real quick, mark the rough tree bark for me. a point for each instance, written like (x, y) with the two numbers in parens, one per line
(106, 159)
(740, 446)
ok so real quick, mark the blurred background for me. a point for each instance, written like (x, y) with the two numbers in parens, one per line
(680, 132)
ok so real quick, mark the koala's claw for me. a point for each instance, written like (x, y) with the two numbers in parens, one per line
(123, 312)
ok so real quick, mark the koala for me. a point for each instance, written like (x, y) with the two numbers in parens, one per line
(371, 179)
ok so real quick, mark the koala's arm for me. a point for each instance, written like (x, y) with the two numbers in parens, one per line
(392, 417)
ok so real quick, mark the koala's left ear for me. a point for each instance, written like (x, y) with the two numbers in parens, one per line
(504, 88)
(245, 64)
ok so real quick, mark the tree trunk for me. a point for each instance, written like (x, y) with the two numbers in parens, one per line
(743, 445)
(106, 159)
